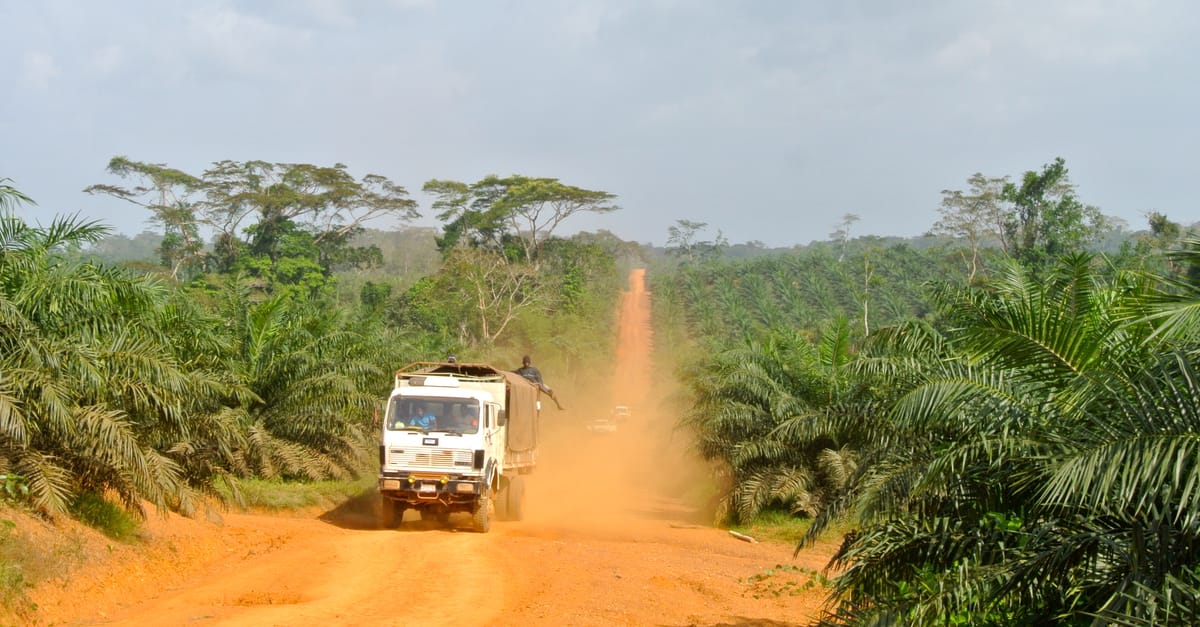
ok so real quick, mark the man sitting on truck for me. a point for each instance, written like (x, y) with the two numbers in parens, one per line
(532, 374)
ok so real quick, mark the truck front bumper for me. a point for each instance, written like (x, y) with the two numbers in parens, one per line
(416, 489)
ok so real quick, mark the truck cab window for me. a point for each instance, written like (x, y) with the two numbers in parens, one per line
(462, 416)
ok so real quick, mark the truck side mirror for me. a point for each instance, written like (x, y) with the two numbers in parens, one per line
(502, 418)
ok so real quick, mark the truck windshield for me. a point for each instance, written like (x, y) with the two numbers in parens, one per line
(457, 415)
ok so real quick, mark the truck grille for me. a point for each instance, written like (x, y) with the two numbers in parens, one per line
(426, 458)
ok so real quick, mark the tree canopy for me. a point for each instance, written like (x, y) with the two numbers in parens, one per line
(256, 211)
(517, 212)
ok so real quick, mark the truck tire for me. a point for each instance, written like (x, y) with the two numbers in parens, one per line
(481, 518)
(515, 499)
(502, 499)
(393, 513)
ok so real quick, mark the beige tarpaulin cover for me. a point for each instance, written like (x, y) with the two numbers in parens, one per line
(522, 413)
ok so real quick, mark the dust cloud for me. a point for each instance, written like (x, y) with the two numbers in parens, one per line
(644, 472)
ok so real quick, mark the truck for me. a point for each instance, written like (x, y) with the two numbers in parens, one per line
(457, 437)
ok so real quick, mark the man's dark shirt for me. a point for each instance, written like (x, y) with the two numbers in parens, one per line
(531, 373)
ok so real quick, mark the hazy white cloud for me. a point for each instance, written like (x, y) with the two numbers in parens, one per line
(106, 59)
(965, 52)
(331, 12)
(712, 111)
(38, 69)
(412, 4)
(1087, 32)
(583, 21)
(246, 44)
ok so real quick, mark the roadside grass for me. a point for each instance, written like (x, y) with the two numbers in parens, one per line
(277, 495)
(774, 526)
(781, 526)
(102, 515)
(785, 580)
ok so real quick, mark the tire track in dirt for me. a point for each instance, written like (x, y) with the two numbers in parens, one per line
(316, 573)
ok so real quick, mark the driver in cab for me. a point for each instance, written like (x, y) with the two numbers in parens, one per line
(421, 419)
(418, 420)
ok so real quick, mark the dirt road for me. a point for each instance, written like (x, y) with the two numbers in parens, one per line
(609, 539)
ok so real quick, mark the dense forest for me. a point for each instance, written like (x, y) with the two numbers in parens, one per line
(1001, 416)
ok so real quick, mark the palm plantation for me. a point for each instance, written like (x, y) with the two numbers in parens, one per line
(1036, 470)
(1010, 443)
(1014, 447)
(1028, 457)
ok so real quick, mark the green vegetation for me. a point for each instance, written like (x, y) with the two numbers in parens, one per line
(785, 580)
(1008, 426)
(273, 494)
(240, 358)
(13, 487)
(1002, 420)
(95, 511)
(774, 525)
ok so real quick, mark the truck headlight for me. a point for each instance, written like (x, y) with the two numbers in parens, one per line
(464, 487)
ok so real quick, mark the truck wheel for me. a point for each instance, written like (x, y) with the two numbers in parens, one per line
(502, 512)
(515, 498)
(481, 519)
(393, 513)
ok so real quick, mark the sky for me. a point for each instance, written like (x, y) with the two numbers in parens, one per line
(767, 120)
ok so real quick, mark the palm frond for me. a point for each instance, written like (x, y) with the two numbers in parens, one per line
(49, 483)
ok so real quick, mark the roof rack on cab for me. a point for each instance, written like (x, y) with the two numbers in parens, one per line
(456, 370)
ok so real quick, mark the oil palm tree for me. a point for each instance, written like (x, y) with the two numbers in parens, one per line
(748, 404)
(85, 376)
(313, 383)
(1049, 473)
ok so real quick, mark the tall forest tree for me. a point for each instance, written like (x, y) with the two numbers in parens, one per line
(1044, 219)
(842, 234)
(683, 241)
(166, 193)
(974, 216)
(515, 211)
(494, 241)
(260, 210)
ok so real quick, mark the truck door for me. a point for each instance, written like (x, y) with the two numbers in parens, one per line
(496, 432)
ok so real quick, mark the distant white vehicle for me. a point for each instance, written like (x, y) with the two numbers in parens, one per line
(621, 412)
(602, 425)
